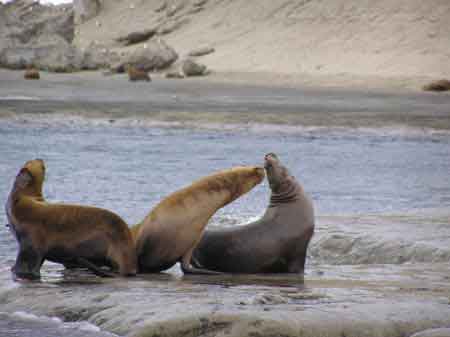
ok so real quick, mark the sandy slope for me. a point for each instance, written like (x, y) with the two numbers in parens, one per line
(388, 38)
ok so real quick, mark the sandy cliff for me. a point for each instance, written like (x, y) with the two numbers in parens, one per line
(356, 37)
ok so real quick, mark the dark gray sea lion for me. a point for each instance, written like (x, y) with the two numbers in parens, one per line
(276, 243)
(69, 234)
(173, 228)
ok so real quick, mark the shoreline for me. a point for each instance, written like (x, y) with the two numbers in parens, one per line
(221, 100)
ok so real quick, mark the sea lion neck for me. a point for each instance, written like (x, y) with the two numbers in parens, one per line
(288, 193)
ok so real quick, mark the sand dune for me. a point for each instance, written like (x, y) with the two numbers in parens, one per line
(390, 38)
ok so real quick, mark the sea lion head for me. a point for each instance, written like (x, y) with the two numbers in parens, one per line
(249, 177)
(238, 180)
(278, 175)
(31, 178)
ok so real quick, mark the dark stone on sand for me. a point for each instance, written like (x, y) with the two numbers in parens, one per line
(156, 55)
(191, 68)
(201, 51)
(174, 75)
(439, 85)
(137, 37)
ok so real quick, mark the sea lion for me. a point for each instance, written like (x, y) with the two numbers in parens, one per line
(173, 228)
(31, 74)
(135, 74)
(276, 243)
(68, 234)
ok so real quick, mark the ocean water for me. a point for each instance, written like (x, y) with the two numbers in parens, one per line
(382, 198)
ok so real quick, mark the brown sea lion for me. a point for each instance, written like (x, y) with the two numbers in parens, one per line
(171, 231)
(135, 74)
(31, 74)
(276, 243)
(68, 234)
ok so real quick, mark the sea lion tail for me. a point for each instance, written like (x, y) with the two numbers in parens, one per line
(95, 269)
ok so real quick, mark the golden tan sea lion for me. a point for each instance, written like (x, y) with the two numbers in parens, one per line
(31, 74)
(68, 234)
(171, 231)
(135, 74)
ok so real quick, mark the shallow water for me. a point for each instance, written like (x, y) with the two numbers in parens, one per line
(382, 202)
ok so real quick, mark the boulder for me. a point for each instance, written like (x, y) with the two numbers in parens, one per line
(85, 10)
(191, 68)
(201, 51)
(439, 85)
(156, 55)
(38, 35)
(174, 74)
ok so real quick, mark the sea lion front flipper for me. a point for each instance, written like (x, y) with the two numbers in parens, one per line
(92, 267)
(187, 268)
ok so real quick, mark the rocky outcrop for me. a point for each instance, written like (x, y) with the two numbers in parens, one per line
(155, 55)
(85, 10)
(136, 37)
(32, 34)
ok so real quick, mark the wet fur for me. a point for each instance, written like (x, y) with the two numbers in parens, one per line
(63, 233)
(176, 224)
(276, 243)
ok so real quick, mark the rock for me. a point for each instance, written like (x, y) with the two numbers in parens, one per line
(135, 74)
(174, 74)
(191, 68)
(31, 74)
(39, 35)
(137, 37)
(201, 51)
(85, 10)
(442, 332)
(158, 55)
(439, 85)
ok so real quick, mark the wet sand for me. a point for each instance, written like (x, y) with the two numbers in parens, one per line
(201, 101)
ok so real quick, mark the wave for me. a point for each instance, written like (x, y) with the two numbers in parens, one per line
(206, 121)
(344, 250)
(26, 321)
(19, 98)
